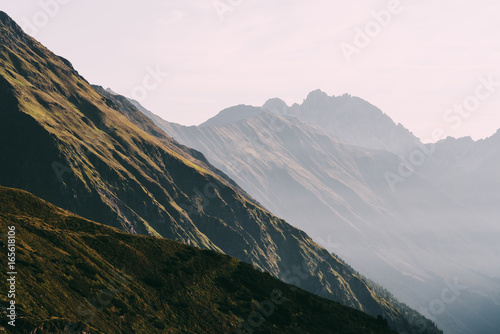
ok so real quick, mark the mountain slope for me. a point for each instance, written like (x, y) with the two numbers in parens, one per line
(299, 163)
(100, 279)
(97, 156)
(413, 237)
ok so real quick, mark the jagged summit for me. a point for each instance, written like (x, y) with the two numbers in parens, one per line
(315, 100)
(317, 94)
(354, 121)
(349, 119)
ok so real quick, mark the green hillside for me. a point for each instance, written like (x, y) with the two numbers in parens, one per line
(79, 275)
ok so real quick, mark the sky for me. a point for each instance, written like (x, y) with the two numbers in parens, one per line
(427, 64)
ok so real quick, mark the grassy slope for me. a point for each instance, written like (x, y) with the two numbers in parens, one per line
(74, 272)
(136, 178)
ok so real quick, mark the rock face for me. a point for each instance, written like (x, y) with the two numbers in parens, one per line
(95, 154)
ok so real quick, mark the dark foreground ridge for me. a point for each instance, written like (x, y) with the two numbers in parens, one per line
(78, 276)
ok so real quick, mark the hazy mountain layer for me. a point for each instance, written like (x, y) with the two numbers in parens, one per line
(398, 226)
(467, 170)
(350, 119)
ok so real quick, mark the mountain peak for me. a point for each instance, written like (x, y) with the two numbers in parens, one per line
(233, 114)
(276, 106)
(12, 35)
(112, 92)
(354, 121)
(7, 22)
(317, 94)
(4, 18)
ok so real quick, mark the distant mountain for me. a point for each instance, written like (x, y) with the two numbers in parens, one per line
(233, 115)
(466, 170)
(288, 164)
(95, 154)
(410, 230)
(351, 120)
(97, 279)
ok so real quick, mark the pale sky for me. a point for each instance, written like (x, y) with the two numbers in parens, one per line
(428, 57)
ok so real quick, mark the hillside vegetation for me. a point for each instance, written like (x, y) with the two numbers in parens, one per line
(78, 276)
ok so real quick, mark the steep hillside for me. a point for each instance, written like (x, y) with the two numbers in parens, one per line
(97, 156)
(412, 236)
(97, 279)
(285, 163)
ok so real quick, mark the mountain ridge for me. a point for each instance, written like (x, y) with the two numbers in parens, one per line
(351, 119)
(340, 195)
(102, 280)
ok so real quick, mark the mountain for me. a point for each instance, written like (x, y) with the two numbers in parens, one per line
(233, 115)
(353, 121)
(101, 280)
(95, 154)
(297, 161)
(414, 231)
(466, 170)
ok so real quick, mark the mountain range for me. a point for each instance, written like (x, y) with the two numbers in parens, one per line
(412, 216)
(350, 119)
(97, 155)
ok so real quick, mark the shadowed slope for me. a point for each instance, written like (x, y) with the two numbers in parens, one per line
(96, 279)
